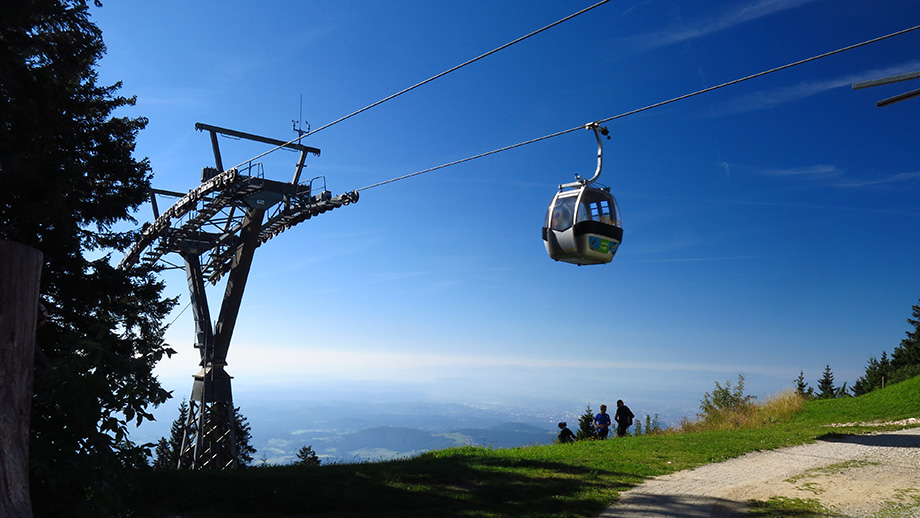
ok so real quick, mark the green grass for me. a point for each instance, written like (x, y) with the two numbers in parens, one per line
(782, 507)
(553, 481)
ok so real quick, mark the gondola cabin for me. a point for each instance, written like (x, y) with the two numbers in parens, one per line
(583, 226)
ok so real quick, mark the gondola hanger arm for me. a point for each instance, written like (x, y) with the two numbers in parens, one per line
(598, 131)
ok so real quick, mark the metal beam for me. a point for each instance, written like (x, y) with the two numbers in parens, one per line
(898, 98)
(204, 335)
(249, 136)
(299, 167)
(236, 283)
(887, 80)
(216, 148)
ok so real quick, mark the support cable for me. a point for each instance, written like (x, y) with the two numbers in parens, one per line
(177, 316)
(430, 79)
(645, 108)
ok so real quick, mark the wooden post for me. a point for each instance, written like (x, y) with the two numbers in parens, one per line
(20, 272)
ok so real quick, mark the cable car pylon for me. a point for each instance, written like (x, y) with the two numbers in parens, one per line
(582, 224)
(215, 228)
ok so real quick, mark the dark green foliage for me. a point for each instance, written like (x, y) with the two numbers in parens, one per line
(905, 373)
(307, 457)
(802, 388)
(243, 431)
(162, 454)
(907, 355)
(724, 399)
(903, 365)
(586, 428)
(167, 451)
(652, 425)
(826, 388)
(67, 181)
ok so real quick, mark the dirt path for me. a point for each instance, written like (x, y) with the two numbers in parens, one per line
(858, 476)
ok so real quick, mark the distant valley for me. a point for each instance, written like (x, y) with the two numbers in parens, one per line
(386, 431)
(390, 426)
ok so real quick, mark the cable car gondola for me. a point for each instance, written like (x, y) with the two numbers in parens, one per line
(582, 223)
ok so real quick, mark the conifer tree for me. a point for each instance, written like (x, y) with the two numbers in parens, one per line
(162, 455)
(826, 388)
(905, 359)
(802, 388)
(586, 425)
(167, 451)
(68, 184)
(877, 375)
(244, 448)
(307, 457)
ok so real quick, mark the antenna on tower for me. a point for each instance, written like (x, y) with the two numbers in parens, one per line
(298, 124)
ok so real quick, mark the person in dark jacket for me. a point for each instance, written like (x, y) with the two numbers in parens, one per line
(565, 435)
(624, 418)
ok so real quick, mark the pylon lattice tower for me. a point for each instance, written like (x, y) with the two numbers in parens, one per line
(216, 229)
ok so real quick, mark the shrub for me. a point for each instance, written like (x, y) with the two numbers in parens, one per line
(744, 413)
(726, 407)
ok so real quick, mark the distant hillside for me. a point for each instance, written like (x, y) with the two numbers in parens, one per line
(508, 435)
(387, 442)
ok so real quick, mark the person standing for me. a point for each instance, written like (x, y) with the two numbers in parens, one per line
(602, 422)
(623, 417)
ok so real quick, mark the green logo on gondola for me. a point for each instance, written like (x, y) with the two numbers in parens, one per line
(604, 246)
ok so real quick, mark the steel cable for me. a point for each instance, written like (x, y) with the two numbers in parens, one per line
(649, 107)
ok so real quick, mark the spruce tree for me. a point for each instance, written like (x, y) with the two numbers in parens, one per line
(826, 388)
(802, 388)
(68, 185)
(905, 359)
(176, 431)
(162, 455)
(167, 451)
(586, 425)
(244, 448)
(877, 375)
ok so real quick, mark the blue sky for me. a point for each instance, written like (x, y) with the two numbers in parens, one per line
(769, 227)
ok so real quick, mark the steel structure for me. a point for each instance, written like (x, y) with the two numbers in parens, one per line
(216, 229)
(889, 80)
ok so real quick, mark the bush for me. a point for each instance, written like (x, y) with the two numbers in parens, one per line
(725, 407)
(744, 413)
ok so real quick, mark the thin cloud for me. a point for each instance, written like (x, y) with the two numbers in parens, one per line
(723, 21)
(835, 177)
(814, 172)
(895, 178)
(767, 99)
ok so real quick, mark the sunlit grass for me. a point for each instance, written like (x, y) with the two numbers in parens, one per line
(782, 507)
(779, 408)
(548, 481)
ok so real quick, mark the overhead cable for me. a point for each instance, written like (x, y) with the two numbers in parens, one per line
(430, 79)
(645, 108)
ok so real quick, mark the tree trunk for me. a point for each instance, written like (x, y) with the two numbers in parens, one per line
(20, 271)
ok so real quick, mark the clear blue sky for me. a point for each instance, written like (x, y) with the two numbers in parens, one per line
(770, 227)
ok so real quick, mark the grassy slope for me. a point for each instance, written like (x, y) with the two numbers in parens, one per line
(571, 480)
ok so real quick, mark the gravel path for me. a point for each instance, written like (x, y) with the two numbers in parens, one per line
(857, 476)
